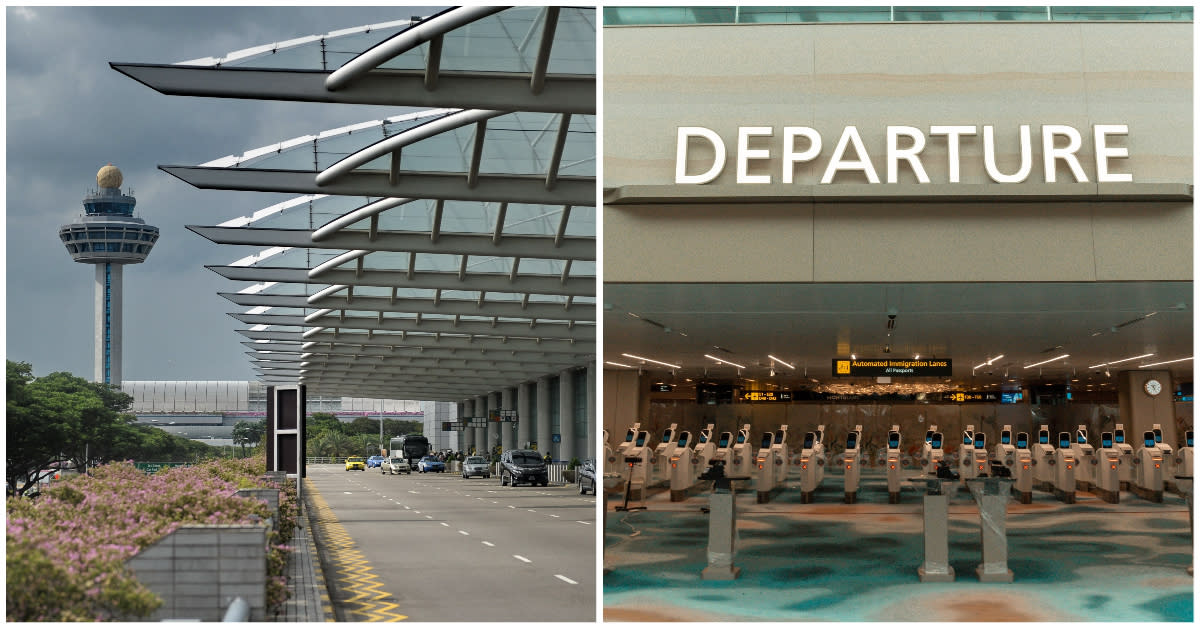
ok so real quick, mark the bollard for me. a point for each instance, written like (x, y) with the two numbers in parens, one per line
(936, 513)
(238, 611)
(722, 530)
(992, 495)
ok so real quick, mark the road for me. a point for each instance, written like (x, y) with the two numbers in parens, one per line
(449, 549)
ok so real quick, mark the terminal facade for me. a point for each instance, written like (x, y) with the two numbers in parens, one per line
(833, 232)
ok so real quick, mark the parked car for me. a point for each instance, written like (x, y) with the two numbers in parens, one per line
(587, 476)
(476, 465)
(395, 465)
(375, 461)
(522, 465)
(429, 464)
(356, 463)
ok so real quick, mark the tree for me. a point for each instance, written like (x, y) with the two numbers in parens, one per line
(332, 444)
(61, 418)
(320, 422)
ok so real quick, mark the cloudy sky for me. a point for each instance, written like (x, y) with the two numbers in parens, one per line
(68, 114)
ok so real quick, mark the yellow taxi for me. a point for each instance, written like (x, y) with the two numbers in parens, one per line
(354, 463)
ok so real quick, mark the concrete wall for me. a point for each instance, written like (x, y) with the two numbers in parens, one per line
(199, 570)
(829, 76)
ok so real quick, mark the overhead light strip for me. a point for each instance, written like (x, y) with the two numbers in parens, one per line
(989, 361)
(618, 364)
(638, 357)
(1122, 360)
(723, 361)
(1161, 363)
(1065, 355)
(781, 361)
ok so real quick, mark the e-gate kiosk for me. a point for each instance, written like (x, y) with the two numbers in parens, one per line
(892, 460)
(1125, 452)
(966, 454)
(1043, 461)
(764, 468)
(931, 451)
(979, 466)
(637, 459)
(782, 468)
(724, 451)
(1064, 469)
(630, 435)
(683, 462)
(1084, 459)
(851, 460)
(743, 459)
(660, 461)
(812, 466)
(1168, 453)
(1107, 470)
(1005, 452)
(1183, 458)
(1022, 470)
(704, 451)
(1148, 470)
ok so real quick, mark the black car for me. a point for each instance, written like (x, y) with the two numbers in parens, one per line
(522, 466)
(587, 476)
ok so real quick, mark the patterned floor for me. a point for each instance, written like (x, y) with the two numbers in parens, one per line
(827, 561)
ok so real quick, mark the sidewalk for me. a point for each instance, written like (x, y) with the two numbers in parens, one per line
(308, 600)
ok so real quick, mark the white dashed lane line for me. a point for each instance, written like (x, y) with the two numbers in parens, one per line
(565, 579)
(488, 544)
(445, 524)
(464, 533)
(521, 558)
(555, 516)
(586, 523)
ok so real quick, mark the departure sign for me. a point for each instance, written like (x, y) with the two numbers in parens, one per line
(888, 367)
(661, 387)
(751, 396)
(972, 397)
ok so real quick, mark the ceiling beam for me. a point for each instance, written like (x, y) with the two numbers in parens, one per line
(568, 190)
(427, 280)
(539, 247)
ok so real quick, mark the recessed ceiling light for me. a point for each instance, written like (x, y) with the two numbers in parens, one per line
(637, 357)
(723, 361)
(781, 361)
(1167, 362)
(618, 364)
(1065, 355)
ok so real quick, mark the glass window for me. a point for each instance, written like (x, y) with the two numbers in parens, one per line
(126, 248)
(114, 247)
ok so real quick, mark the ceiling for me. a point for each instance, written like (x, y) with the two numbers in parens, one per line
(808, 325)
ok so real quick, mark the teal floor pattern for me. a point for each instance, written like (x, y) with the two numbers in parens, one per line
(826, 561)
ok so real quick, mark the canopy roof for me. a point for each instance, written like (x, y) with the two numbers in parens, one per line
(437, 255)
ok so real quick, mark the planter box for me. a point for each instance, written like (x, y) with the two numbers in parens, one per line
(198, 571)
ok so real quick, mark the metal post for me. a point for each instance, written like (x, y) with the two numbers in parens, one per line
(936, 513)
(722, 530)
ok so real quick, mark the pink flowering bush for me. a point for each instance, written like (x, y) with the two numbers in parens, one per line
(66, 549)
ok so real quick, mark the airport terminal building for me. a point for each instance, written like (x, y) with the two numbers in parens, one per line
(894, 218)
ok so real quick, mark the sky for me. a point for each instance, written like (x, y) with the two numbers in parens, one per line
(69, 114)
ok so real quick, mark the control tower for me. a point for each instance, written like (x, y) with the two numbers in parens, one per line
(108, 236)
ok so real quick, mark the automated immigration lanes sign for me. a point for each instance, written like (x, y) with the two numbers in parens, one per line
(887, 367)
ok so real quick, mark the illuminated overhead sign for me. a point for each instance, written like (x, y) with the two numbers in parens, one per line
(661, 388)
(754, 396)
(802, 144)
(888, 367)
(973, 397)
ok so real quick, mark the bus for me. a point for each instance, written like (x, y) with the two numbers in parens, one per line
(412, 447)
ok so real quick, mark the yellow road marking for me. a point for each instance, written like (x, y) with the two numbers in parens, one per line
(364, 598)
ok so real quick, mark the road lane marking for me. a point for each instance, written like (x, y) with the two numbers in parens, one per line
(532, 510)
(429, 516)
(445, 524)
(522, 558)
(509, 506)
(464, 533)
(348, 492)
(488, 544)
(407, 508)
(586, 523)
(565, 579)
(495, 502)
(555, 516)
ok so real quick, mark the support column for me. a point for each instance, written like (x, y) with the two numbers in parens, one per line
(507, 402)
(543, 415)
(481, 432)
(108, 323)
(593, 432)
(566, 414)
(524, 421)
(468, 410)
(1140, 411)
(493, 428)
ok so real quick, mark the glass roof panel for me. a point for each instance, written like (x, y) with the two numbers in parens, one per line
(462, 295)
(382, 260)
(287, 289)
(414, 216)
(523, 219)
(582, 222)
(492, 265)
(325, 52)
(545, 267)
(443, 262)
(581, 268)
(508, 42)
